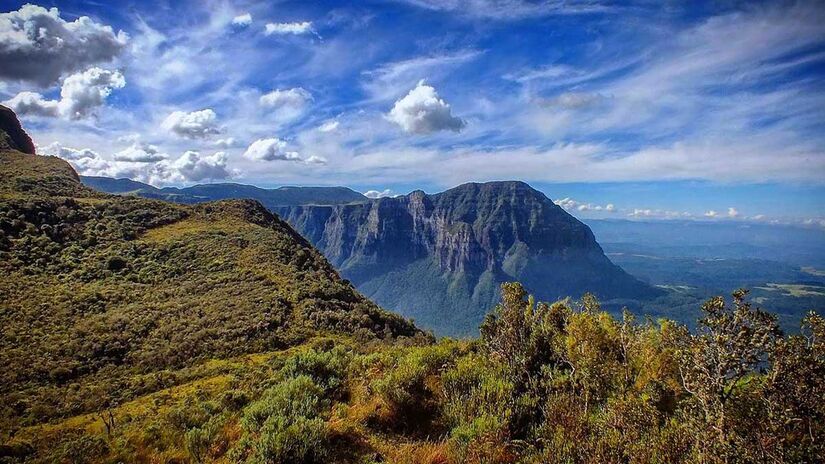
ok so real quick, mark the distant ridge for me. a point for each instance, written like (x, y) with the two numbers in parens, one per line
(271, 198)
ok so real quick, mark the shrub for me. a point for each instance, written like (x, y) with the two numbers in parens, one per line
(475, 387)
(328, 369)
(294, 397)
(291, 440)
(284, 425)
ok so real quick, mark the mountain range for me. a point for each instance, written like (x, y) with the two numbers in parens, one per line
(439, 258)
(270, 198)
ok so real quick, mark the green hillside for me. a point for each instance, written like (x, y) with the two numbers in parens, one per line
(140, 331)
(101, 292)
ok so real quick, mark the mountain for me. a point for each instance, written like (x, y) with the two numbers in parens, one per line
(102, 296)
(441, 258)
(436, 258)
(270, 198)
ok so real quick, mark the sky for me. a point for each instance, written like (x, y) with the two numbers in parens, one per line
(629, 110)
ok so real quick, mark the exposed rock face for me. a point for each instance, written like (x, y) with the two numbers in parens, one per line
(439, 258)
(12, 135)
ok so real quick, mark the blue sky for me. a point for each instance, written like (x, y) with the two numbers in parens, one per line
(690, 110)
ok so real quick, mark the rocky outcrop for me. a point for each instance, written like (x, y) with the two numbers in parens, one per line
(407, 252)
(12, 135)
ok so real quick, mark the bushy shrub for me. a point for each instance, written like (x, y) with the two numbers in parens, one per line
(285, 426)
(410, 390)
(328, 369)
(482, 440)
(475, 387)
(298, 396)
(291, 440)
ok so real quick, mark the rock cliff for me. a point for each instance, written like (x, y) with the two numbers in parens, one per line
(440, 258)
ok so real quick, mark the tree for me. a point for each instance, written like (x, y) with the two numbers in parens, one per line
(731, 343)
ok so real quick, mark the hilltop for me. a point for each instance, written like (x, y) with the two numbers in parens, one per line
(100, 292)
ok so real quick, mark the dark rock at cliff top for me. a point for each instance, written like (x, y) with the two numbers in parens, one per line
(12, 135)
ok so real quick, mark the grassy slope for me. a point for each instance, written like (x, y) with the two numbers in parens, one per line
(106, 299)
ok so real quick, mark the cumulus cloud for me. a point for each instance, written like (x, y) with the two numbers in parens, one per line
(294, 98)
(421, 112)
(570, 204)
(272, 149)
(242, 21)
(140, 152)
(378, 194)
(194, 167)
(38, 46)
(190, 167)
(296, 28)
(80, 95)
(194, 125)
(228, 142)
(32, 104)
(69, 154)
(83, 92)
(711, 214)
(733, 212)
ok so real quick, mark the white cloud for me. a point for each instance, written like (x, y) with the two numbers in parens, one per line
(80, 95)
(140, 153)
(228, 142)
(190, 167)
(711, 214)
(658, 214)
(32, 104)
(294, 98)
(296, 28)
(69, 154)
(570, 204)
(271, 149)
(732, 212)
(243, 20)
(421, 112)
(378, 194)
(329, 126)
(639, 212)
(314, 159)
(197, 124)
(194, 167)
(36, 45)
